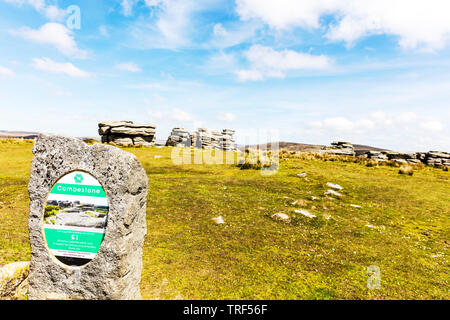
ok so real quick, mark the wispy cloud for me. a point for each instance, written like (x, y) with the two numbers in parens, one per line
(54, 34)
(51, 12)
(128, 66)
(265, 62)
(226, 116)
(46, 64)
(6, 72)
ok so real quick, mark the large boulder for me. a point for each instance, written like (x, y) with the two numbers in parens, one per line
(125, 133)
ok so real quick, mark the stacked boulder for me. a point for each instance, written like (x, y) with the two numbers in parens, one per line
(179, 137)
(340, 148)
(376, 155)
(400, 157)
(437, 158)
(227, 141)
(125, 133)
(202, 139)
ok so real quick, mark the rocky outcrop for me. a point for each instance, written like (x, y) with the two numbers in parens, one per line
(340, 148)
(202, 138)
(431, 158)
(124, 133)
(437, 158)
(179, 137)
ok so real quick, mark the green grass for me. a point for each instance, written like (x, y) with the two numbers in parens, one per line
(251, 256)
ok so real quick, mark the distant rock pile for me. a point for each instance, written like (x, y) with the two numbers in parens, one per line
(436, 158)
(340, 148)
(124, 133)
(431, 158)
(203, 139)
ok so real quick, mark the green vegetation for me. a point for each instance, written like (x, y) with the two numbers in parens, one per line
(402, 227)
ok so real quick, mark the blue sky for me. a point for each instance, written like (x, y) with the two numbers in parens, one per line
(371, 72)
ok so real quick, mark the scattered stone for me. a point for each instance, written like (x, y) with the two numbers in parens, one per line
(355, 206)
(305, 213)
(14, 280)
(281, 217)
(334, 186)
(126, 133)
(369, 226)
(158, 157)
(302, 175)
(333, 193)
(218, 220)
(313, 198)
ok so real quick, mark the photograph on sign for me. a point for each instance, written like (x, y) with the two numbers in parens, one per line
(75, 218)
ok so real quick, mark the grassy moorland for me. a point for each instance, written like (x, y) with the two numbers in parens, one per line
(402, 226)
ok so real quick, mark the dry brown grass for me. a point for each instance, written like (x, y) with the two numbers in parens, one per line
(406, 169)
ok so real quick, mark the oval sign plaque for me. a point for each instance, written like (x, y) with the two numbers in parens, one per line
(75, 218)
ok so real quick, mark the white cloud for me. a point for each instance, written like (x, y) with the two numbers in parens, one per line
(128, 66)
(432, 125)
(46, 64)
(268, 63)
(51, 12)
(170, 25)
(103, 30)
(37, 4)
(54, 13)
(249, 75)
(6, 72)
(180, 115)
(54, 34)
(226, 116)
(127, 7)
(378, 121)
(220, 62)
(155, 115)
(417, 23)
(219, 30)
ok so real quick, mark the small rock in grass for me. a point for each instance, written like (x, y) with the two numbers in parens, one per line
(302, 175)
(305, 213)
(355, 206)
(333, 193)
(218, 220)
(281, 217)
(158, 157)
(313, 198)
(369, 226)
(334, 186)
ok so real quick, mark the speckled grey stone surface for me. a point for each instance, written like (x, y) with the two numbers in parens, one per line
(115, 272)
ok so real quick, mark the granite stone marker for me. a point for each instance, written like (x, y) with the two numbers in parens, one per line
(87, 220)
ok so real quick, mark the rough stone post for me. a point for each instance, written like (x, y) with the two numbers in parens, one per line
(62, 266)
